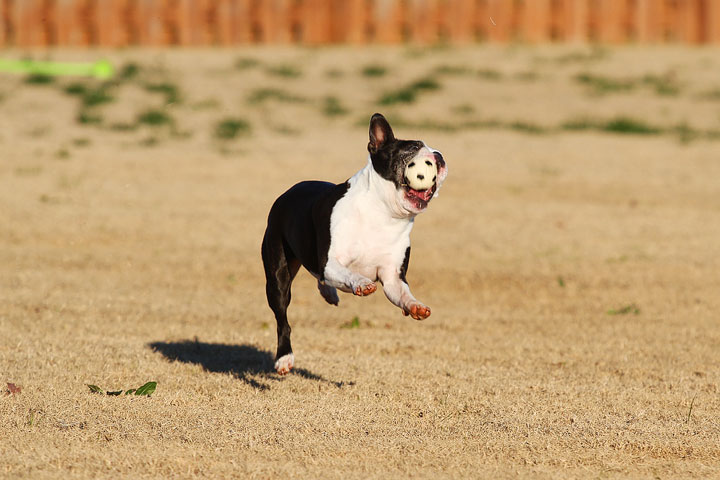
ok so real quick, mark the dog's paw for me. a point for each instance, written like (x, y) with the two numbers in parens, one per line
(284, 364)
(416, 310)
(364, 287)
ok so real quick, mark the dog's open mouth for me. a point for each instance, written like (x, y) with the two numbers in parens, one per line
(419, 198)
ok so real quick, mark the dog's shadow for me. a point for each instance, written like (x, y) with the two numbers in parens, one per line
(245, 362)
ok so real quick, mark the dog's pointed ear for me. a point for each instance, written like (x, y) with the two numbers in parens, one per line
(380, 133)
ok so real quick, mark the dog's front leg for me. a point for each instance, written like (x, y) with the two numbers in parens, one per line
(398, 292)
(338, 276)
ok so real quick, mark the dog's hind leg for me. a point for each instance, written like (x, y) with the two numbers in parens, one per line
(328, 293)
(280, 270)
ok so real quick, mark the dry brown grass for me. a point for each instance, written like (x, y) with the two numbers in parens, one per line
(122, 263)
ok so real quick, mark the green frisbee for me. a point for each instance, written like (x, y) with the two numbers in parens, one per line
(101, 69)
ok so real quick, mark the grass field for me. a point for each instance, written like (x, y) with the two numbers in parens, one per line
(571, 263)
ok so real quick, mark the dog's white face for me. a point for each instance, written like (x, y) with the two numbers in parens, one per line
(394, 160)
(415, 193)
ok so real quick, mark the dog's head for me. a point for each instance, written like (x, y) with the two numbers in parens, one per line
(415, 170)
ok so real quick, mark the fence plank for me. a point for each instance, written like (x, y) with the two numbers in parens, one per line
(610, 21)
(315, 19)
(281, 21)
(535, 21)
(649, 21)
(109, 21)
(460, 21)
(30, 28)
(388, 21)
(687, 28)
(355, 18)
(67, 26)
(712, 22)
(501, 11)
(577, 17)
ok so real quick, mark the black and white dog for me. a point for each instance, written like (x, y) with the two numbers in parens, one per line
(353, 234)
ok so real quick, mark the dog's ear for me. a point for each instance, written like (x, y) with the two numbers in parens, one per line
(380, 133)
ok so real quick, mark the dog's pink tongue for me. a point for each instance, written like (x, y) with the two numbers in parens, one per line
(425, 194)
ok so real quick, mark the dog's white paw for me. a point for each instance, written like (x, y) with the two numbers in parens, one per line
(362, 286)
(416, 310)
(284, 364)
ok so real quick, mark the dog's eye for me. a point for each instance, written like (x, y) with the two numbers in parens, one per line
(428, 163)
(412, 164)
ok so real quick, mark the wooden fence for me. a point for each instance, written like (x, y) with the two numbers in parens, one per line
(116, 23)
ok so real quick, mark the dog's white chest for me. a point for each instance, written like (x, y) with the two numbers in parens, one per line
(363, 235)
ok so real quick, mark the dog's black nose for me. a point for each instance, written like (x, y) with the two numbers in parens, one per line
(421, 177)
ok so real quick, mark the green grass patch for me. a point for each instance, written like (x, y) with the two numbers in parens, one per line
(409, 93)
(402, 95)
(665, 85)
(246, 63)
(75, 88)
(87, 118)
(39, 79)
(452, 70)
(262, 95)
(123, 127)
(630, 126)
(621, 125)
(686, 133)
(81, 142)
(285, 71)
(526, 127)
(374, 71)
(600, 85)
(626, 310)
(128, 71)
(90, 96)
(169, 90)
(354, 323)
(580, 124)
(332, 107)
(154, 118)
(207, 104)
(487, 74)
(96, 96)
(593, 55)
(426, 84)
(231, 128)
(463, 109)
(286, 130)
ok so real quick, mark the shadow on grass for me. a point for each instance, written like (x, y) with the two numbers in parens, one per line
(245, 362)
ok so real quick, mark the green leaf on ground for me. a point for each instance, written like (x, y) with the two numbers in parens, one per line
(146, 389)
